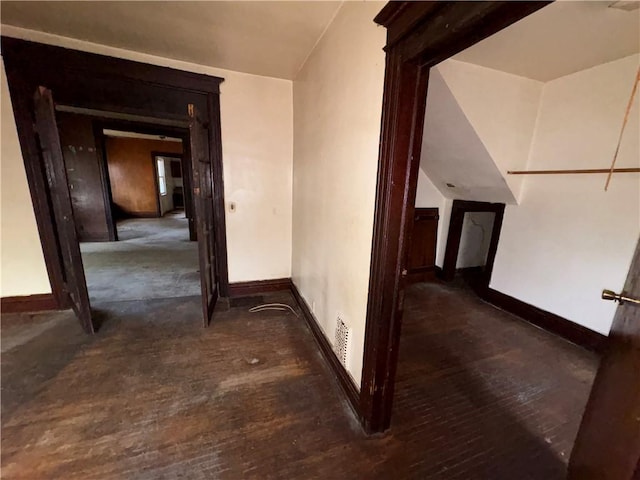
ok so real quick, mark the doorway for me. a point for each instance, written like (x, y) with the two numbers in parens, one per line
(472, 242)
(419, 39)
(125, 92)
(149, 253)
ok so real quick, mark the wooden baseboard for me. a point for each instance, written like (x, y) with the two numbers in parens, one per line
(240, 289)
(438, 272)
(548, 321)
(29, 303)
(340, 373)
(464, 270)
(423, 275)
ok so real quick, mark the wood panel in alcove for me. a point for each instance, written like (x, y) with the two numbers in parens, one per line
(132, 173)
(421, 252)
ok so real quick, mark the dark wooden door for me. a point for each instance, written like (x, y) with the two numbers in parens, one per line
(421, 251)
(75, 284)
(608, 442)
(202, 175)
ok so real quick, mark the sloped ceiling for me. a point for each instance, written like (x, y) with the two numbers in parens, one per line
(263, 38)
(559, 39)
(452, 152)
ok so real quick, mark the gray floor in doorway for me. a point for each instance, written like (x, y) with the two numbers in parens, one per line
(153, 258)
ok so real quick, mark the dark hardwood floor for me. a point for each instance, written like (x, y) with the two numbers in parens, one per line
(154, 396)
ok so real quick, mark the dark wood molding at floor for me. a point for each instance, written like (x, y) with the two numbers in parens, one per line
(548, 321)
(339, 372)
(30, 303)
(240, 289)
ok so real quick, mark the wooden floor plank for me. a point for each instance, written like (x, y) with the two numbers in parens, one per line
(153, 395)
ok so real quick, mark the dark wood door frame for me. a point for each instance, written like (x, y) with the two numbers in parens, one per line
(458, 210)
(52, 159)
(419, 36)
(90, 81)
(107, 194)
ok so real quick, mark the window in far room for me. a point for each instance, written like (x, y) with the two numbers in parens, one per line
(162, 183)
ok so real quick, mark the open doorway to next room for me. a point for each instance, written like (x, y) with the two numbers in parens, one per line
(127, 192)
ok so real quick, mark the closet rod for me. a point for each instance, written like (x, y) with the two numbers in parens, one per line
(564, 172)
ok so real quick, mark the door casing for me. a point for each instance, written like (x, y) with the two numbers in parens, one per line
(89, 81)
(458, 209)
(418, 37)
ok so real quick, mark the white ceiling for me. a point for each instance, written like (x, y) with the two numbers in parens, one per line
(561, 38)
(263, 38)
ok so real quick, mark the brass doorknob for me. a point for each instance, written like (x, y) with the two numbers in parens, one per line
(618, 297)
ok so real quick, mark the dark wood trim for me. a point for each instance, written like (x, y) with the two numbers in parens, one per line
(101, 153)
(341, 375)
(52, 56)
(240, 289)
(551, 322)
(135, 126)
(29, 303)
(418, 37)
(215, 151)
(404, 99)
(458, 210)
(23, 113)
(100, 83)
(428, 273)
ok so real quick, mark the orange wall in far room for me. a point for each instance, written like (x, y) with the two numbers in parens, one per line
(132, 173)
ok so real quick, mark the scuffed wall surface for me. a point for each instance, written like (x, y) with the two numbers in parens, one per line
(337, 112)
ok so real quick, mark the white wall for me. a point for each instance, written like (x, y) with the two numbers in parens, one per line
(453, 154)
(23, 268)
(257, 144)
(428, 196)
(337, 113)
(568, 239)
(501, 107)
(475, 239)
